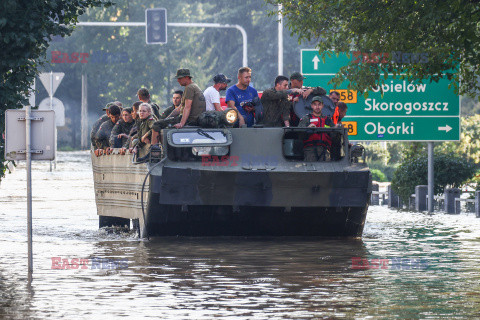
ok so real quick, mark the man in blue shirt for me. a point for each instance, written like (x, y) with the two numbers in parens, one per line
(240, 94)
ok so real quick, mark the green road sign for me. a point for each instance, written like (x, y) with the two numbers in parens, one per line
(400, 98)
(425, 105)
(403, 128)
(312, 63)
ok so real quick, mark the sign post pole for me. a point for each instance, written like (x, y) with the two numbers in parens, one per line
(84, 116)
(430, 177)
(28, 155)
(280, 40)
(51, 106)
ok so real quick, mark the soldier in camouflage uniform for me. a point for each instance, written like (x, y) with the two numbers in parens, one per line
(144, 96)
(103, 133)
(176, 99)
(276, 107)
(296, 81)
(101, 120)
(144, 135)
(98, 123)
(134, 129)
(120, 132)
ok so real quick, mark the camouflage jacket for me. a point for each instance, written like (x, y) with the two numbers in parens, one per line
(167, 112)
(95, 128)
(119, 128)
(103, 135)
(144, 127)
(155, 109)
(276, 107)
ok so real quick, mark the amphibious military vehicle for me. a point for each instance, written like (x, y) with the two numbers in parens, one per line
(236, 182)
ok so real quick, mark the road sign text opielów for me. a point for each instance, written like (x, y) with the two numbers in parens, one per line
(407, 111)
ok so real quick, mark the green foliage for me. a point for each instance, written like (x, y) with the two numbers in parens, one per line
(449, 170)
(26, 27)
(413, 149)
(469, 106)
(376, 151)
(469, 144)
(386, 169)
(475, 182)
(447, 32)
(378, 175)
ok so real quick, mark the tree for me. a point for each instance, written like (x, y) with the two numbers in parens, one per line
(26, 27)
(449, 170)
(469, 144)
(433, 39)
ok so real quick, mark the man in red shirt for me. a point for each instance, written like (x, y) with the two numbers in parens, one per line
(317, 145)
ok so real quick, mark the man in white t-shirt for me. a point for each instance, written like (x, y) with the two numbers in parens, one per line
(212, 94)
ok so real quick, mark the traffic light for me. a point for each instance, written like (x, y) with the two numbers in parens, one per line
(156, 26)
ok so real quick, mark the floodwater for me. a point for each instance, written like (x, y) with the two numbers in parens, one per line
(438, 276)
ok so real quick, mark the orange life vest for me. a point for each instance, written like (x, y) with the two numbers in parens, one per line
(336, 115)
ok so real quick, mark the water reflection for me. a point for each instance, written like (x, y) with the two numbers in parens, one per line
(238, 278)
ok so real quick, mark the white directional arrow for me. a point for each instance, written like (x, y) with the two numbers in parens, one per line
(446, 128)
(315, 63)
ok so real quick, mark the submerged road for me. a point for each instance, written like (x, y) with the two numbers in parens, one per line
(407, 266)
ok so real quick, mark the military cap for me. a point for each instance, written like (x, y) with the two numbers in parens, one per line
(108, 105)
(317, 98)
(221, 78)
(297, 76)
(183, 73)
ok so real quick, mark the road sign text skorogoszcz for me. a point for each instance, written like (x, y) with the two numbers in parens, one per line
(406, 112)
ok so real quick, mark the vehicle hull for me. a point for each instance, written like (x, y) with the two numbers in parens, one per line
(257, 192)
(200, 202)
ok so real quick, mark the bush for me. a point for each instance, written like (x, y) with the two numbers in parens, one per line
(469, 144)
(387, 170)
(449, 170)
(378, 175)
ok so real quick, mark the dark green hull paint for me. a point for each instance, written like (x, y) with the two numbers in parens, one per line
(170, 220)
(196, 202)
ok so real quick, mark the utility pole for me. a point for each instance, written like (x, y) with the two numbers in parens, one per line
(84, 115)
(430, 177)
(280, 40)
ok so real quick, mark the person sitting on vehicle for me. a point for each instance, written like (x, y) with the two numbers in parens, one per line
(191, 106)
(336, 151)
(212, 93)
(241, 96)
(144, 134)
(98, 123)
(103, 134)
(144, 96)
(120, 132)
(136, 119)
(335, 97)
(176, 100)
(276, 107)
(135, 107)
(296, 82)
(340, 113)
(317, 145)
